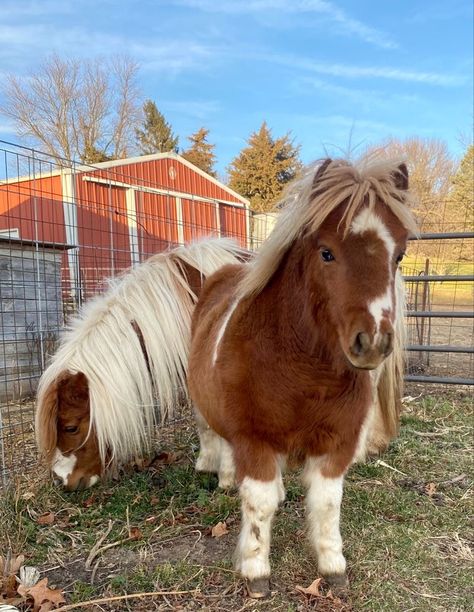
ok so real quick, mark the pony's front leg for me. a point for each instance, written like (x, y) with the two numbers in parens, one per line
(323, 504)
(260, 500)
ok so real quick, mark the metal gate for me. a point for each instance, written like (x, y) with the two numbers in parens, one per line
(440, 338)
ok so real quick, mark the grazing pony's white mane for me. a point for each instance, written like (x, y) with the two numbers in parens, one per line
(309, 201)
(125, 385)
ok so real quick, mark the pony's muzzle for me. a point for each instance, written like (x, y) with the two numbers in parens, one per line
(368, 353)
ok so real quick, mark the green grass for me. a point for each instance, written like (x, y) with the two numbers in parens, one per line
(405, 525)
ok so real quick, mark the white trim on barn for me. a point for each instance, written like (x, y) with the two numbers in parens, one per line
(179, 220)
(71, 230)
(132, 227)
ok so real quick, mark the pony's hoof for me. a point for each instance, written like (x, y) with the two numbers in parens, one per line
(258, 588)
(226, 480)
(337, 582)
(205, 463)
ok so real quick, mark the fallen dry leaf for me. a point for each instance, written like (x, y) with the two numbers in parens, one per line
(87, 503)
(219, 530)
(313, 588)
(44, 598)
(11, 566)
(430, 489)
(8, 587)
(135, 534)
(46, 519)
(165, 458)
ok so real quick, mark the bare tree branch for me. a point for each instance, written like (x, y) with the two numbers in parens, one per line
(77, 110)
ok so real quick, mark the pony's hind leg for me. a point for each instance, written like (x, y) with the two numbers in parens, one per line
(260, 500)
(323, 512)
(226, 470)
(215, 454)
(210, 447)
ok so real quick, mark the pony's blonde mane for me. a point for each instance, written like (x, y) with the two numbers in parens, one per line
(310, 200)
(125, 385)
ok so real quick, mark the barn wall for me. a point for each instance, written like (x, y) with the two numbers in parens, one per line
(103, 233)
(157, 223)
(168, 174)
(35, 208)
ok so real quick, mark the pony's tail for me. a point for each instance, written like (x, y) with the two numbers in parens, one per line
(389, 386)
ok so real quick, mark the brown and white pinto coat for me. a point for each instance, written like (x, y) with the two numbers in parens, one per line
(282, 350)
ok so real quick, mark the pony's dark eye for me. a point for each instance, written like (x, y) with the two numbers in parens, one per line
(71, 429)
(327, 256)
(400, 258)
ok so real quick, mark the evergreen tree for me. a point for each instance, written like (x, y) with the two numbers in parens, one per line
(462, 195)
(201, 153)
(94, 155)
(156, 135)
(264, 167)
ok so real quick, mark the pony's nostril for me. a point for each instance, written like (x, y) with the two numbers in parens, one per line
(386, 344)
(361, 344)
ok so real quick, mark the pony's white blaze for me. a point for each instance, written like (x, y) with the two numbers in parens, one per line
(93, 480)
(323, 503)
(63, 465)
(381, 307)
(259, 503)
(221, 332)
(366, 221)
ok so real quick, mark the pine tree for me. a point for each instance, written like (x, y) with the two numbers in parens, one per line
(156, 135)
(462, 195)
(264, 167)
(201, 152)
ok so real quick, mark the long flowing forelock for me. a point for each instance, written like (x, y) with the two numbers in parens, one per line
(102, 343)
(307, 205)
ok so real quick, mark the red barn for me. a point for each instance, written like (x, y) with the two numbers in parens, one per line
(116, 214)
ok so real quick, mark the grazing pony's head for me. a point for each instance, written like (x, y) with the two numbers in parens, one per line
(65, 436)
(349, 225)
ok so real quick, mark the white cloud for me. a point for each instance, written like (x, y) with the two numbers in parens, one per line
(26, 41)
(362, 72)
(324, 8)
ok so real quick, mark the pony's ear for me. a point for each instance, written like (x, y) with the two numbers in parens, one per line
(400, 177)
(74, 387)
(321, 170)
(46, 418)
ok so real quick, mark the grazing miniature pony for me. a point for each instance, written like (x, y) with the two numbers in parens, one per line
(289, 351)
(125, 353)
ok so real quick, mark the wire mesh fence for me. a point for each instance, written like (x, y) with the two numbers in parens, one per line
(66, 228)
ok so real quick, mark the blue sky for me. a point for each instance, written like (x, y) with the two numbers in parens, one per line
(337, 74)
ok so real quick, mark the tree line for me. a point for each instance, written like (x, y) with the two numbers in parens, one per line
(92, 111)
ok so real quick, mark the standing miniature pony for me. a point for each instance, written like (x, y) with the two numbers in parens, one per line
(125, 353)
(288, 353)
